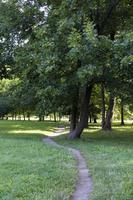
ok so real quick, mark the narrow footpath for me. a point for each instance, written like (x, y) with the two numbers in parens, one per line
(84, 185)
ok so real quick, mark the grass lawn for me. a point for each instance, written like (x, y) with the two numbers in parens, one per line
(30, 169)
(109, 156)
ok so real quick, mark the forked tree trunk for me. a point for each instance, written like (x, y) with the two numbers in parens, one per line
(109, 115)
(122, 113)
(83, 113)
(103, 104)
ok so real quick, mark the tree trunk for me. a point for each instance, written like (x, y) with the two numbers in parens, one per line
(90, 119)
(109, 115)
(60, 116)
(122, 113)
(103, 105)
(73, 119)
(83, 114)
(55, 117)
(108, 121)
(40, 118)
(74, 114)
(95, 120)
(24, 116)
(86, 126)
(43, 118)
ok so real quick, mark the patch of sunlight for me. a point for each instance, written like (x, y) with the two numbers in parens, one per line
(47, 133)
(28, 131)
(123, 129)
(91, 130)
(130, 162)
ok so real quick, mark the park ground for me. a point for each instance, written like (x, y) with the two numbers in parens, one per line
(31, 169)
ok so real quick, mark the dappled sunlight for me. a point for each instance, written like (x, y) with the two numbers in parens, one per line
(51, 132)
(55, 134)
(29, 132)
(130, 162)
(21, 129)
(123, 129)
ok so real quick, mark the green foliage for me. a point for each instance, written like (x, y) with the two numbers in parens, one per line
(55, 47)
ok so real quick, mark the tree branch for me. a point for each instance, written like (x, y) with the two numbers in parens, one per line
(109, 12)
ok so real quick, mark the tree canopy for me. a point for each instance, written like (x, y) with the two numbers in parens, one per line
(65, 53)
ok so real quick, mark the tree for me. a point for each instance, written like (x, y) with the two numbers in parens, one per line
(72, 44)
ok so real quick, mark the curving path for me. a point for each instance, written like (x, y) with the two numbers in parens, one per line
(84, 185)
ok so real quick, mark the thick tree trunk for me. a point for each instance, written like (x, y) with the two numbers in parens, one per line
(122, 113)
(83, 114)
(74, 114)
(86, 126)
(73, 119)
(109, 115)
(103, 104)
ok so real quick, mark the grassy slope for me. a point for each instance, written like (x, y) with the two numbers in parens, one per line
(30, 169)
(110, 159)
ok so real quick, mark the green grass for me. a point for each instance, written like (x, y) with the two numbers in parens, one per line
(109, 156)
(30, 169)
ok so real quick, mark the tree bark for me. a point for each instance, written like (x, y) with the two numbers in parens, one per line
(73, 118)
(90, 119)
(95, 120)
(74, 114)
(103, 104)
(43, 118)
(24, 116)
(109, 115)
(55, 117)
(83, 113)
(86, 126)
(122, 113)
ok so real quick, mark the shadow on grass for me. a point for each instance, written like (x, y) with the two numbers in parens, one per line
(29, 130)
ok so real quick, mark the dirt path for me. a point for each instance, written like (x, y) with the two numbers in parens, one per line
(84, 185)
